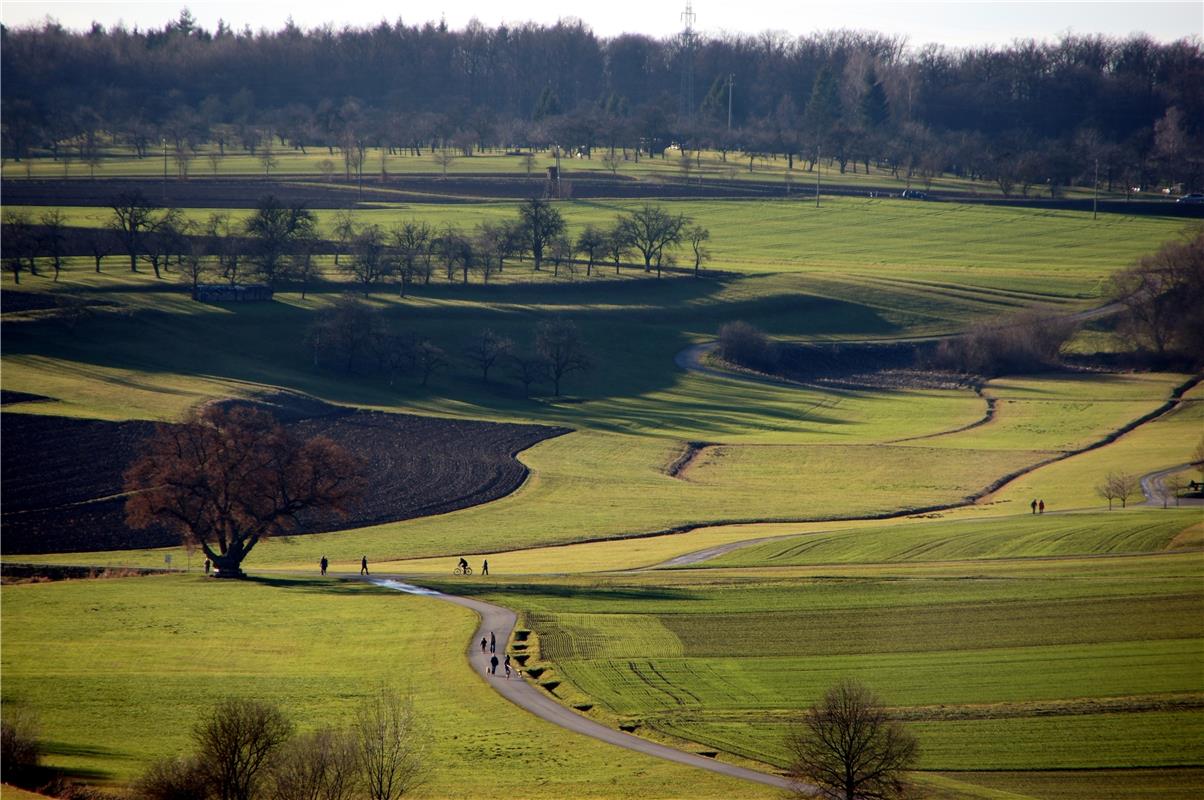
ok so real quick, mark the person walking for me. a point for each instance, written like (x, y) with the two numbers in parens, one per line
(492, 642)
(1034, 506)
(208, 565)
(323, 564)
(364, 565)
(507, 663)
(484, 644)
(493, 665)
(485, 567)
(1041, 507)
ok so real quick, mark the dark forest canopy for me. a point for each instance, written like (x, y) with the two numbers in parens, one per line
(1134, 104)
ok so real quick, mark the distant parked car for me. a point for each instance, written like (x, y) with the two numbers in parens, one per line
(913, 194)
(1194, 197)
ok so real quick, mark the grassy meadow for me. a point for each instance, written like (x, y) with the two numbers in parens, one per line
(120, 669)
(209, 161)
(1035, 657)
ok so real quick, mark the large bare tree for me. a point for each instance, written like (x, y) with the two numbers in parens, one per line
(847, 747)
(224, 479)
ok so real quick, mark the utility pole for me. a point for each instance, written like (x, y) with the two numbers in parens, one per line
(731, 79)
(1095, 194)
(165, 167)
(817, 168)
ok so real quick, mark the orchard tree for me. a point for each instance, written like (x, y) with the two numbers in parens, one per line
(591, 244)
(133, 218)
(847, 747)
(650, 230)
(225, 479)
(274, 229)
(370, 259)
(559, 344)
(616, 245)
(487, 349)
(53, 239)
(411, 241)
(698, 236)
(540, 224)
(20, 244)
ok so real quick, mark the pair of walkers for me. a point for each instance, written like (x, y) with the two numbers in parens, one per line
(324, 564)
(493, 662)
(1038, 506)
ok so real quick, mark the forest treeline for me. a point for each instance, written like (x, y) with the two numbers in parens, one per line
(1026, 114)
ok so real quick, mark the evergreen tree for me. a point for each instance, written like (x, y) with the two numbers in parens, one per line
(548, 104)
(875, 110)
(824, 109)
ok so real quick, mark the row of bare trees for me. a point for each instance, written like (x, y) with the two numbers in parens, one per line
(414, 251)
(279, 242)
(353, 337)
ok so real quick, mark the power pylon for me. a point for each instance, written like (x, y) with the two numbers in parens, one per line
(689, 42)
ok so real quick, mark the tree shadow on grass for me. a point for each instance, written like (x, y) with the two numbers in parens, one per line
(315, 585)
(554, 591)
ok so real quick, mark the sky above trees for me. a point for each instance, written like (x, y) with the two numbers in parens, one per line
(949, 22)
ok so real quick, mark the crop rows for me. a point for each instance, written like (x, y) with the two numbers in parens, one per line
(62, 477)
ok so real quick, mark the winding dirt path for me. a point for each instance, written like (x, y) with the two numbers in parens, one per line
(523, 692)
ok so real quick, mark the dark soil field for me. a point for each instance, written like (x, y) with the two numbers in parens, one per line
(240, 192)
(61, 477)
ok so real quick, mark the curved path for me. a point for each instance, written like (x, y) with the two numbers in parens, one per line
(1152, 487)
(500, 622)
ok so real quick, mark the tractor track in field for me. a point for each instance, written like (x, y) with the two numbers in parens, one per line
(527, 694)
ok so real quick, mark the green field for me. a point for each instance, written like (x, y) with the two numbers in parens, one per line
(1035, 664)
(118, 161)
(119, 669)
(1029, 654)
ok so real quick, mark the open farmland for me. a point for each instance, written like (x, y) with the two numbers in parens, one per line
(979, 625)
(68, 651)
(57, 499)
(991, 665)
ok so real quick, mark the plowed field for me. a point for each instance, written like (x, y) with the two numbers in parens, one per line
(61, 477)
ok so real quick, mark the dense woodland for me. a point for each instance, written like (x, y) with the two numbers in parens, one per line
(1022, 115)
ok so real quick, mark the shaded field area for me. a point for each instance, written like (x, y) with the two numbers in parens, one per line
(62, 477)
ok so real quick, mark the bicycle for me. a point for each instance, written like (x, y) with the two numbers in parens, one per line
(462, 571)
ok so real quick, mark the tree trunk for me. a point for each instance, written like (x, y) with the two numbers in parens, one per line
(227, 565)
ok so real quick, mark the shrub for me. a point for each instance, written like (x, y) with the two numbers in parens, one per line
(173, 779)
(317, 766)
(747, 346)
(1024, 343)
(237, 741)
(20, 748)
